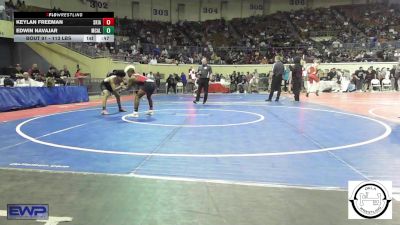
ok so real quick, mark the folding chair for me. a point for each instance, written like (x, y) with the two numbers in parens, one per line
(376, 84)
(386, 85)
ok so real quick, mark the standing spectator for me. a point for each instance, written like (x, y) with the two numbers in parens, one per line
(171, 82)
(158, 80)
(183, 80)
(150, 75)
(369, 75)
(192, 80)
(396, 77)
(79, 76)
(313, 79)
(241, 83)
(359, 79)
(392, 74)
(204, 72)
(297, 82)
(277, 72)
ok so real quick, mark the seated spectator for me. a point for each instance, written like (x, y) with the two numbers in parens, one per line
(369, 75)
(26, 80)
(51, 77)
(18, 72)
(65, 74)
(35, 73)
(332, 74)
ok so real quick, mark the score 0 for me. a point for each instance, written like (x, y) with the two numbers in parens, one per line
(108, 21)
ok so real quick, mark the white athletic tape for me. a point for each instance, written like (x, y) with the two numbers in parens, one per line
(260, 118)
(372, 112)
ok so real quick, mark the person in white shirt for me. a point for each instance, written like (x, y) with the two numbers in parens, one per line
(153, 61)
(150, 75)
(192, 80)
(25, 81)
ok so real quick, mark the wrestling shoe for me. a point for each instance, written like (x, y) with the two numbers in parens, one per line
(134, 114)
(122, 110)
(150, 112)
(104, 112)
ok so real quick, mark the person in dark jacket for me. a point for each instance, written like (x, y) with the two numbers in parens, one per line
(171, 82)
(277, 76)
(297, 78)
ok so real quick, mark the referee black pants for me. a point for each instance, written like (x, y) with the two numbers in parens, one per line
(275, 86)
(203, 84)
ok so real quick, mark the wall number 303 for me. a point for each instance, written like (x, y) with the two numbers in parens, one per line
(98, 4)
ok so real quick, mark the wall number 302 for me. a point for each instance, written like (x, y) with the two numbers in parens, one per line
(98, 4)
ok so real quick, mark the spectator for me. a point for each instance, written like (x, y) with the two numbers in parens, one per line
(171, 82)
(153, 61)
(150, 75)
(51, 76)
(359, 79)
(34, 72)
(79, 76)
(183, 80)
(277, 70)
(370, 74)
(332, 74)
(17, 73)
(158, 80)
(191, 80)
(65, 74)
(26, 80)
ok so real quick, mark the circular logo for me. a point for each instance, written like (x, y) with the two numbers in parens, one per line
(370, 200)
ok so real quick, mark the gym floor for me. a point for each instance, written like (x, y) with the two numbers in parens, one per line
(235, 160)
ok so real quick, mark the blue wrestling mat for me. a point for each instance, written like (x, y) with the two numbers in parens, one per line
(235, 138)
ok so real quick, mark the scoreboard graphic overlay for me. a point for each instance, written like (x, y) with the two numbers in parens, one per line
(64, 27)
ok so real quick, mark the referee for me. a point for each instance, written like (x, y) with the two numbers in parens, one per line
(204, 72)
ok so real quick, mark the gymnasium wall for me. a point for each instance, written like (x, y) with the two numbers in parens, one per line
(58, 56)
(190, 10)
(228, 69)
(6, 49)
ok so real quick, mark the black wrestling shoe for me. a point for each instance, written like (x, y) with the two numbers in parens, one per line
(194, 102)
(122, 110)
(268, 100)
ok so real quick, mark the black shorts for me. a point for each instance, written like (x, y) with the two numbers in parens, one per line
(107, 86)
(148, 87)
